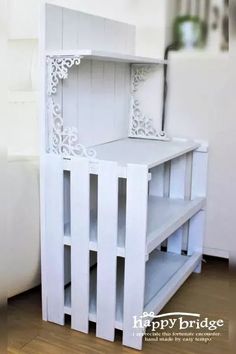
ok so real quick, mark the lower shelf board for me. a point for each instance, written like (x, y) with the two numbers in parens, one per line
(165, 216)
(165, 273)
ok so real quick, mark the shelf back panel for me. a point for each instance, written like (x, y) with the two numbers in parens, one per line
(95, 98)
(71, 29)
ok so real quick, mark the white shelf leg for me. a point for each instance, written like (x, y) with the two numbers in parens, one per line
(199, 188)
(135, 246)
(156, 185)
(196, 232)
(79, 194)
(54, 232)
(107, 249)
(178, 174)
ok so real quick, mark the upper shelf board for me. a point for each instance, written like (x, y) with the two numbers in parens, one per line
(143, 151)
(106, 56)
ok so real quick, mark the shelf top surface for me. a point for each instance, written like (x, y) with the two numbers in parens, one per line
(146, 152)
(106, 56)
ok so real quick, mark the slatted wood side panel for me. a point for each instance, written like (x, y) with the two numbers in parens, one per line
(199, 189)
(80, 211)
(135, 247)
(54, 232)
(107, 249)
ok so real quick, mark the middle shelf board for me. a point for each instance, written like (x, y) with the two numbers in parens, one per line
(143, 151)
(163, 270)
(105, 56)
(164, 217)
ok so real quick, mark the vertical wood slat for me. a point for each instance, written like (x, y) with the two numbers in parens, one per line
(177, 191)
(69, 32)
(53, 27)
(80, 183)
(54, 246)
(84, 99)
(156, 185)
(109, 93)
(121, 98)
(135, 247)
(199, 189)
(107, 249)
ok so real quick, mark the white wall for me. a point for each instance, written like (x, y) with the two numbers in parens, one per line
(202, 105)
(23, 224)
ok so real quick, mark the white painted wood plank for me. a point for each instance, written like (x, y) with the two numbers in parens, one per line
(199, 189)
(177, 190)
(98, 118)
(107, 244)
(85, 35)
(196, 233)
(199, 174)
(174, 242)
(70, 106)
(80, 244)
(135, 244)
(156, 185)
(54, 246)
(101, 101)
(84, 99)
(177, 177)
(110, 35)
(98, 33)
(130, 40)
(121, 101)
(69, 29)
(108, 86)
(53, 33)
(106, 56)
(117, 36)
(144, 152)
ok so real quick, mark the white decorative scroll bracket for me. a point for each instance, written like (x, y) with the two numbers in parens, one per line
(140, 125)
(139, 74)
(64, 141)
(58, 68)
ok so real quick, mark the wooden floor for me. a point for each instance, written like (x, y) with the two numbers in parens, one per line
(207, 294)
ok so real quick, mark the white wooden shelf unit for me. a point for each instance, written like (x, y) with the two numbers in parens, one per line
(122, 216)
